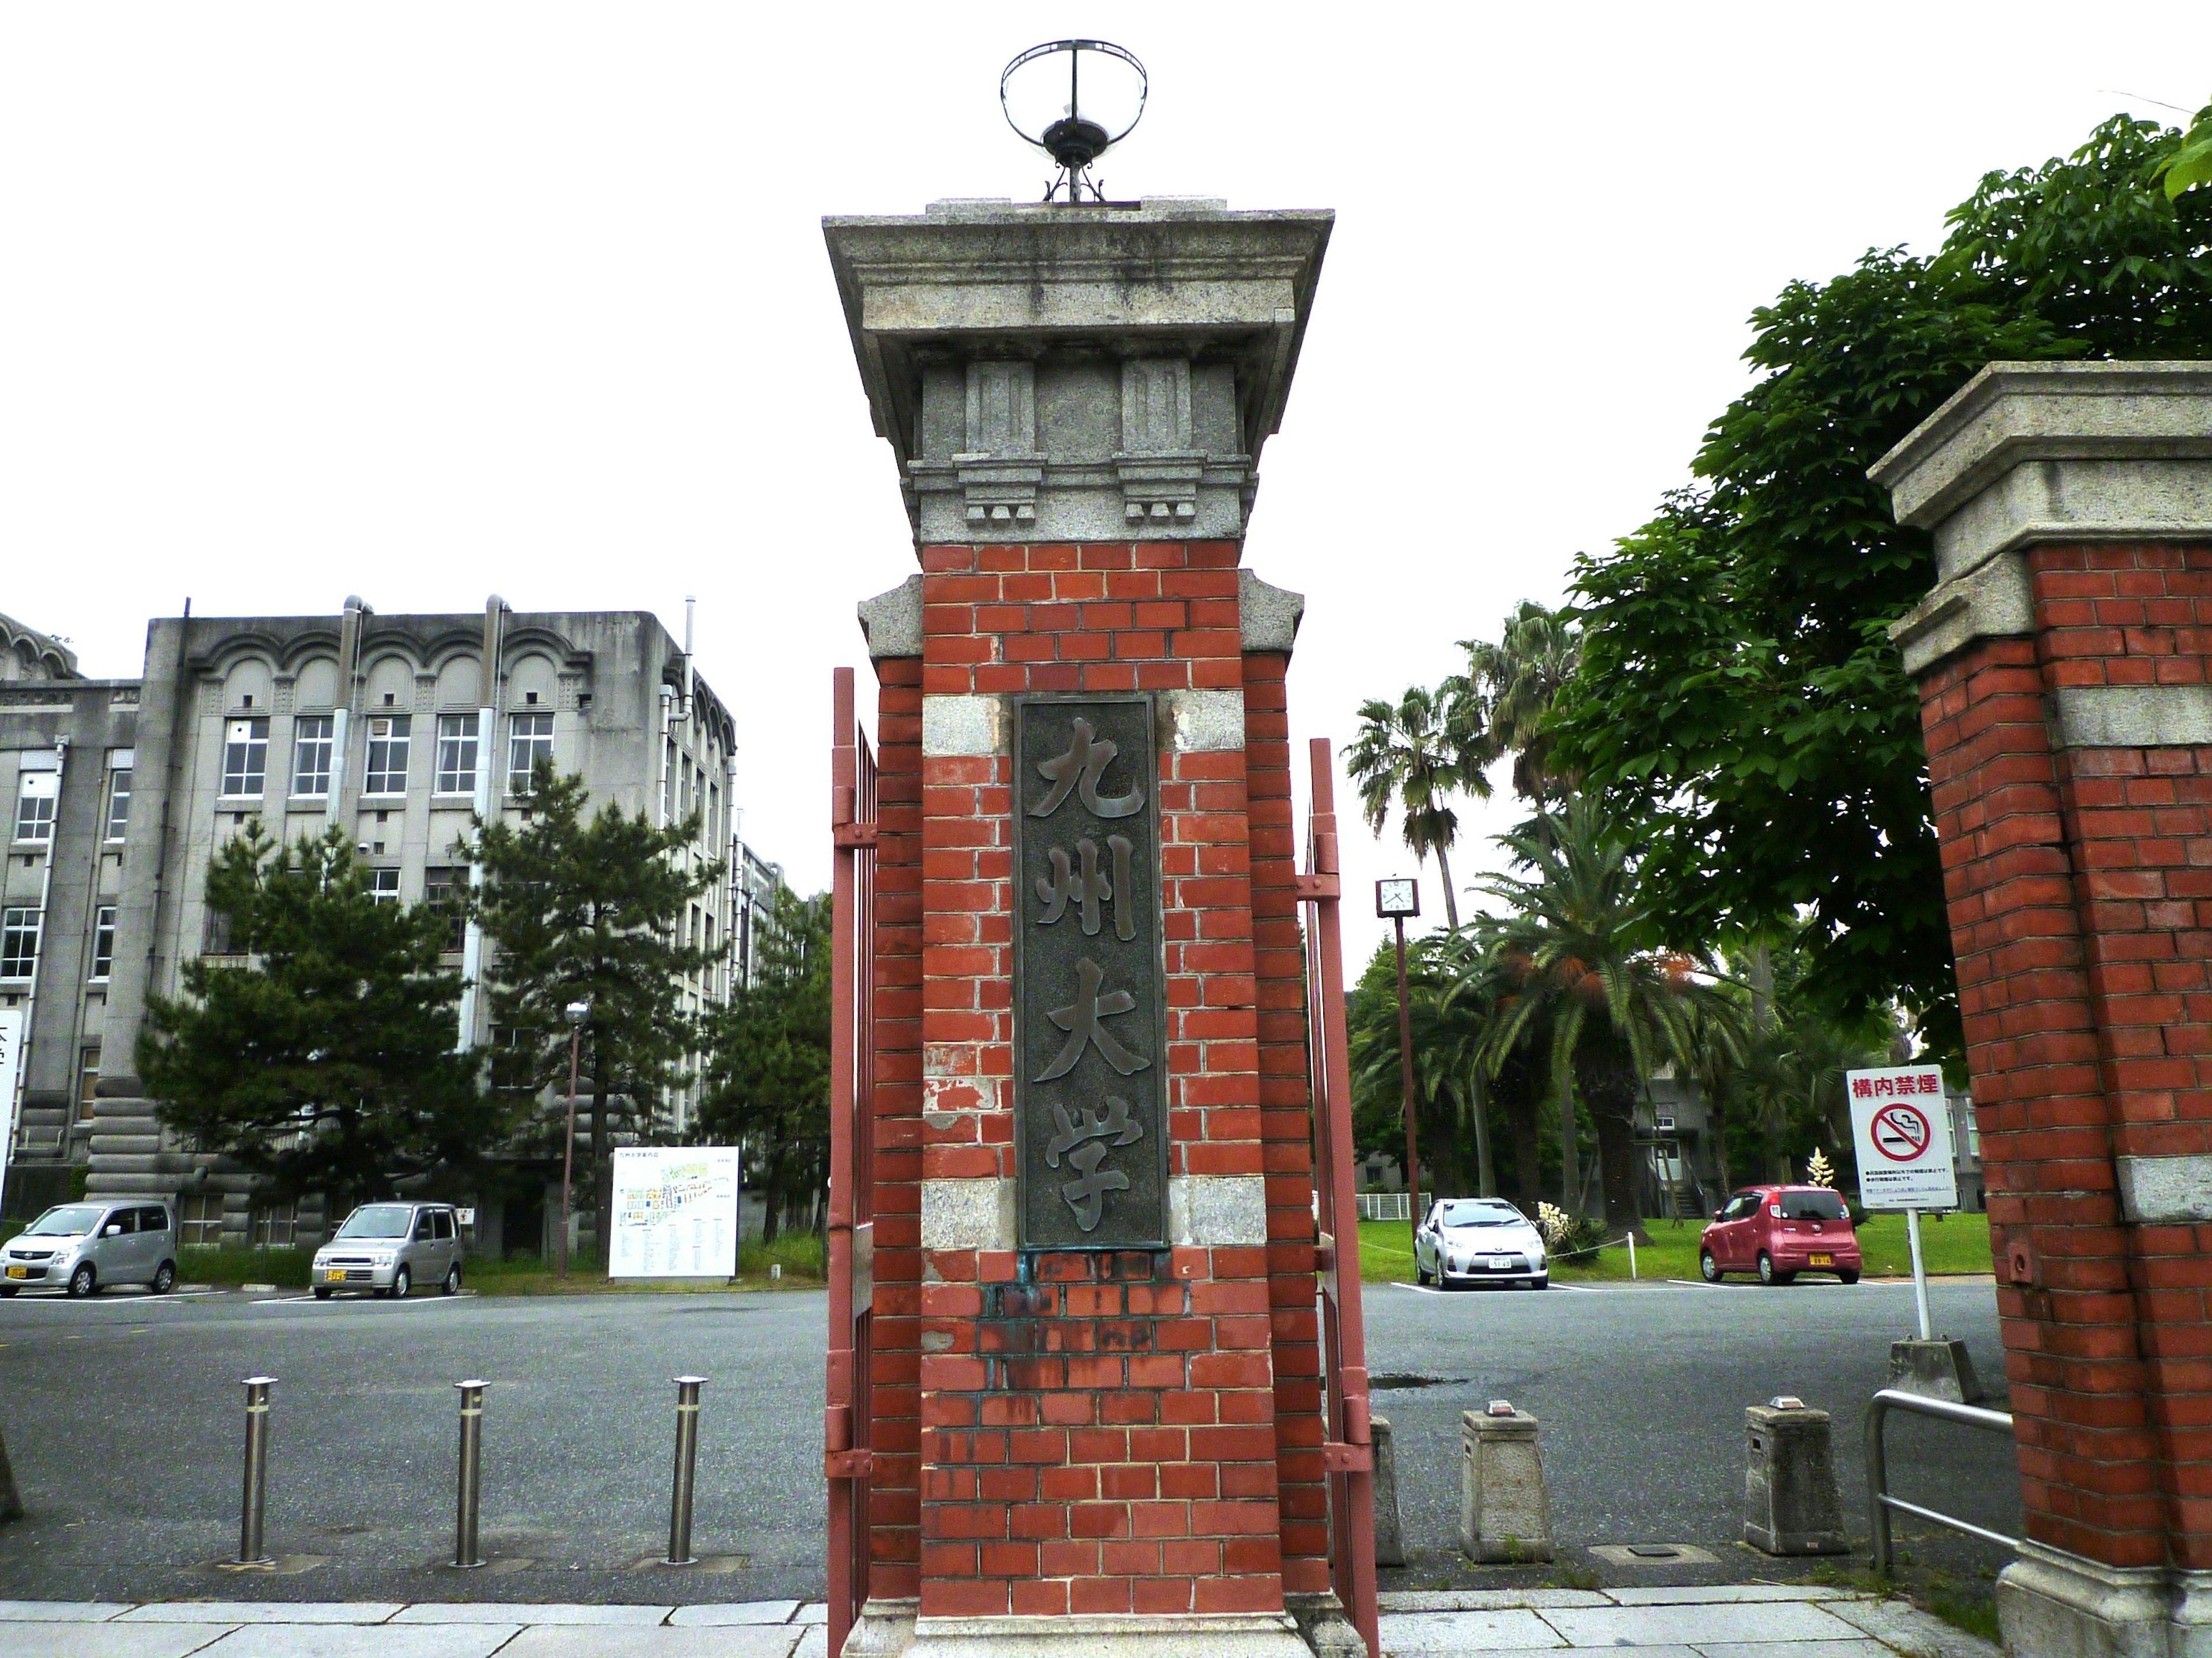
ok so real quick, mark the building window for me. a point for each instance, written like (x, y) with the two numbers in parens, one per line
(103, 941)
(457, 753)
(384, 886)
(18, 941)
(530, 739)
(386, 773)
(203, 1219)
(244, 758)
(35, 794)
(215, 934)
(275, 1225)
(311, 755)
(444, 890)
(87, 1080)
(118, 801)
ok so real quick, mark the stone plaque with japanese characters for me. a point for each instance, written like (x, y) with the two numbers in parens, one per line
(1090, 1003)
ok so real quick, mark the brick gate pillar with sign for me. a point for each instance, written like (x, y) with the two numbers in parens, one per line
(2064, 661)
(1096, 1386)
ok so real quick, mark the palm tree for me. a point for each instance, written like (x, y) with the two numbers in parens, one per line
(1577, 942)
(1517, 680)
(1413, 756)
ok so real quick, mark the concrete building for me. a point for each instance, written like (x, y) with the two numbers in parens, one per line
(121, 793)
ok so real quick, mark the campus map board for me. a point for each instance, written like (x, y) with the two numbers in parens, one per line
(675, 1211)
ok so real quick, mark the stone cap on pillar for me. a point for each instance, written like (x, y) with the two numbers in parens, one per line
(2028, 452)
(1049, 372)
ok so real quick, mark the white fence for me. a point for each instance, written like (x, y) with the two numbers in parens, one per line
(1382, 1206)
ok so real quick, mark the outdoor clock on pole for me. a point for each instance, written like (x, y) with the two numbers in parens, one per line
(1398, 896)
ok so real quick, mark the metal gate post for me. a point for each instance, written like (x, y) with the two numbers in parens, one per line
(1349, 1452)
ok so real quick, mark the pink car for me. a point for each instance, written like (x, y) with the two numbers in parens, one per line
(1779, 1231)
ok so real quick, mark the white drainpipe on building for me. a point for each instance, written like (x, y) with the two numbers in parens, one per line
(349, 632)
(38, 954)
(496, 612)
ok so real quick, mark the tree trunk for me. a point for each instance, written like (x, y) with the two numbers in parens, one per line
(1528, 1159)
(1485, 1168)
(603, 1194)
(1607, 1074)
(1451, 898)
(1571, 1157)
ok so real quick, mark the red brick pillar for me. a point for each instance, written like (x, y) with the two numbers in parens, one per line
(2062, 662)
(1094, 1399)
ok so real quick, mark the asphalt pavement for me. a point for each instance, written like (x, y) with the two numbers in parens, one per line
(124, 1417)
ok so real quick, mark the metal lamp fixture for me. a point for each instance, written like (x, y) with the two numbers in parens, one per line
(1074, 99)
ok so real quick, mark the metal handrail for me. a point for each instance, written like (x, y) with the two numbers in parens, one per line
(1879, 1501)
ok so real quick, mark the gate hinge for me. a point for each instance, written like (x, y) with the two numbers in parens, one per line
(854, 835)
(848, 1465)
(1312, 887)
(1347, 1459)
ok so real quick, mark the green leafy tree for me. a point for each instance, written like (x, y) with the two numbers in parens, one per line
(1577, 945)
(591, 909)
(1413, 756)
(767, 1070)
(325, 1060)
(1738, 689)
(2190, 165)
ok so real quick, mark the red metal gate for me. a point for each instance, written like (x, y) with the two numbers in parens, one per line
(1349, 1452)
(846, 1461)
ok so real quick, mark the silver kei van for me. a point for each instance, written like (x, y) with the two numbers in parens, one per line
(83, 1247)
(387, 1248)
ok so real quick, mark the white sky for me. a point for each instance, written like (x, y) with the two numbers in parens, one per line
(426, 301)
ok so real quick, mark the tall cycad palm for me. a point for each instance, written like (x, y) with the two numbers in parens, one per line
(1517, 680)
(1576, 942)
(1413, 756)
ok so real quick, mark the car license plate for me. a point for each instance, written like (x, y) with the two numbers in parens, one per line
(335, 1275)
(1501, 1266)
(19, 1272)
(1822, 1260)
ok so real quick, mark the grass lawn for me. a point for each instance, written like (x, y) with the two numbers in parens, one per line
(1956, 1243)
(800, 1257)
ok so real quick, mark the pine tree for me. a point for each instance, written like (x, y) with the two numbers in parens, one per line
(325, 1060)
(767, 1078)
(591, 910)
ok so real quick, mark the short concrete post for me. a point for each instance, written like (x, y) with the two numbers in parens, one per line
(1504, 1515)
(1389, 1525)
(1936, 1368)
(1791, 1504)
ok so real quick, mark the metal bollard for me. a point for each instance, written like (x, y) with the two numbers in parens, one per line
(687, 1465)
(469, 1484)
(255, 1497)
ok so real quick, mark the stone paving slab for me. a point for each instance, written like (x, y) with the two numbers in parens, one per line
(1691, 1595)
(375, 1641)
(1398, 1600)
(89, 1640)
(528, 1613)
(1693, 1625)
(578, 1640)
(263, 1612)
(1908, 1630)
(745, 1611)
(1456, 1634)
(62, 1612)
(1860, 1647)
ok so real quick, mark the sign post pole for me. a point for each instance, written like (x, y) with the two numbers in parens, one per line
(1919, 1272)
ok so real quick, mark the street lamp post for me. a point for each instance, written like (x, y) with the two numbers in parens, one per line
(1395, 900)
(580, 1015)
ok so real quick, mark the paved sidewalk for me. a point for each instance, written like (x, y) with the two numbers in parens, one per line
(1746, 1621)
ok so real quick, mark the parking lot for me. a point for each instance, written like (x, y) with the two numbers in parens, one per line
(124, 1417)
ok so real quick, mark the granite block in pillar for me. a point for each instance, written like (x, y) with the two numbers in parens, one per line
(1114, 1363)
(2064, 661)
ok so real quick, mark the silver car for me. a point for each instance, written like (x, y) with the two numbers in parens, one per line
(387, 1248)
(1479, 1241)
(83, 1247)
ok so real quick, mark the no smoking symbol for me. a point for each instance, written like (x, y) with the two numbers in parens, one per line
(1899, 1133)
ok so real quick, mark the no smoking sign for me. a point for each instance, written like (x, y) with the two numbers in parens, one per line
(1901, 1119)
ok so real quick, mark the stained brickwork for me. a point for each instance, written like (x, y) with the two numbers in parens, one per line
(2079, 880)
(1098, 1430)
